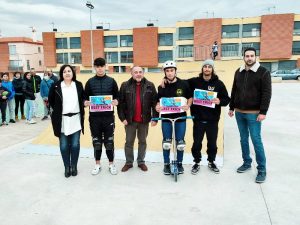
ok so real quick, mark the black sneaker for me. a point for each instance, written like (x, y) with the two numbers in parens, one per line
(45, 117)
(167, 169)
(195, 168)
(12, 121)
(212, 166)
(180, 168)
(243, 168)
(261, 177)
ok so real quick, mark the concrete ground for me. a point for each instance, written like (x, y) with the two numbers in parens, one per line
(35, 192)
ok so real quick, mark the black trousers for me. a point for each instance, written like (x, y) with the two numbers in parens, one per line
(210, 128)
(102, 130)
(20, 100)
(3, 106)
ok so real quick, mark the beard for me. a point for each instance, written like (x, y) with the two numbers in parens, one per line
(250, 63)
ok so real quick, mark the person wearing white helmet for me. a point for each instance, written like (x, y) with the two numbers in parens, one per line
(174, 87)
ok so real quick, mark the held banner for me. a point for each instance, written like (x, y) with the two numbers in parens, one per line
(172, 105)
(203, 97)
(101, 103)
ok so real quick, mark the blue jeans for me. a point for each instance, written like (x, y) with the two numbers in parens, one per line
(69, 148)
(180, 128)
(29, 109)
(247, 124)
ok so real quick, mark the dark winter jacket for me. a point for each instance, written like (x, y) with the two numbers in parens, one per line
(214, 84)
(18, 85)
(28, 90)
(251, 90)
(127, 98)
(55, 99)
(105, 85)
(36, 83)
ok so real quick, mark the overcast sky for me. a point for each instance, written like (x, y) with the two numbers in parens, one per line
(73, 15)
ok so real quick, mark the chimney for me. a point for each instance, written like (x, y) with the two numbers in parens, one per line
(150, 24)
(99, 27)
(54, 29)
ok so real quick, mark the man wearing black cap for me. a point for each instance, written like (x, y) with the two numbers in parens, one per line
(206, 119)
(102, 124)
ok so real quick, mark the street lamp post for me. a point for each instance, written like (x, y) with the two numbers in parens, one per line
(91, 6)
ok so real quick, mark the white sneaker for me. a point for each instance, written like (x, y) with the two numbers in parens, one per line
(32, 121)
(96, 170)
(112, 169)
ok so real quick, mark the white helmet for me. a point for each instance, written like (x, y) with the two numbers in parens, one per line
(169, 64)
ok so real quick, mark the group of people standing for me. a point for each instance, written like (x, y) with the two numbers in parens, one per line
(138, 101)
(23, 94)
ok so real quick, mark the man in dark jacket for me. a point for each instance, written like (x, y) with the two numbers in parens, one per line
(206, 118)
(137, 101)
(250, 98)
(102, 123)
(36, 84)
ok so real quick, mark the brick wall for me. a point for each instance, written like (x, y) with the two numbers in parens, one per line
(206, 32)
(4, 57)
(98, 46)
(277, 36)
(145, 46)
(49, 44)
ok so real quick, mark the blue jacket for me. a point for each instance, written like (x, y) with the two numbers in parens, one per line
(9, 86)
(45, 86)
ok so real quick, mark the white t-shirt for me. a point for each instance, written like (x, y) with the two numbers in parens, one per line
(69, 124)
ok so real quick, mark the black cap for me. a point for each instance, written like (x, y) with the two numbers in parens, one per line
(99, 62)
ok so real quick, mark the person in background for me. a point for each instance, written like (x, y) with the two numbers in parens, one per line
(11, 100)
(29, 97)
(19, 96)
(52, 76)
(36, 83)
(45, 87)
(4, 94)
(66, 99)
(215, 50)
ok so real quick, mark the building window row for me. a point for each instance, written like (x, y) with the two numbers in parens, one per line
(72, 57)
(68, 43)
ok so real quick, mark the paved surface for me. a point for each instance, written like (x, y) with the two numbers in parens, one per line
(34, 190)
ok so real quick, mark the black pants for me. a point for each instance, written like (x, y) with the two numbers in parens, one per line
(215, 54)
(20, 100)
(210, 128)
(3, 106)
(102, 130)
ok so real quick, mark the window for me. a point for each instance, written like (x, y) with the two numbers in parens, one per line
(126, 57)
(186, 33)
(287, 65)
(61, 43)
(40, 62)
(39, 49)
(126, 41)
(296, 48)
(230, 31)
(165, 39)
(15, 65)
(62, 58)
(75, 42)
(255, 45)
(297, 28)
(12, 49)
(267, 65)
(185, 51)
(111, 57)
(251, 30)
(75, 57)
(110, 42)
(165, 56)
(229, 50)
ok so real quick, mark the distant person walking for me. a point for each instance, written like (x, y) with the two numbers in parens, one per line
(19, 96)
(215, 51)
(36, 83)
(45, 87)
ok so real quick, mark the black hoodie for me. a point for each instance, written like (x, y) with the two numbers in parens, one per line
(214, 84)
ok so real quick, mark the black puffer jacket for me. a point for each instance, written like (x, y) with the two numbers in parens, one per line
(28, 89)
(127, 99)
(56, 103)
(18, 86)
(101, 86)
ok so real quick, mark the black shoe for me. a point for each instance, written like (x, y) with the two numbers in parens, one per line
(180, 168)
(261, 177)
(74, 170)
(195, 168)
(12, 121)
(167, 169)
(67, 171)
(243, 168)
(45, 117)
(212, 166)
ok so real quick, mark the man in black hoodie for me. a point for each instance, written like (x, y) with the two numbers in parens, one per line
(206, 119)
(250, 98)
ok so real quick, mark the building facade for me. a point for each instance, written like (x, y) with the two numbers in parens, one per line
(21, 54)
(276, 38)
